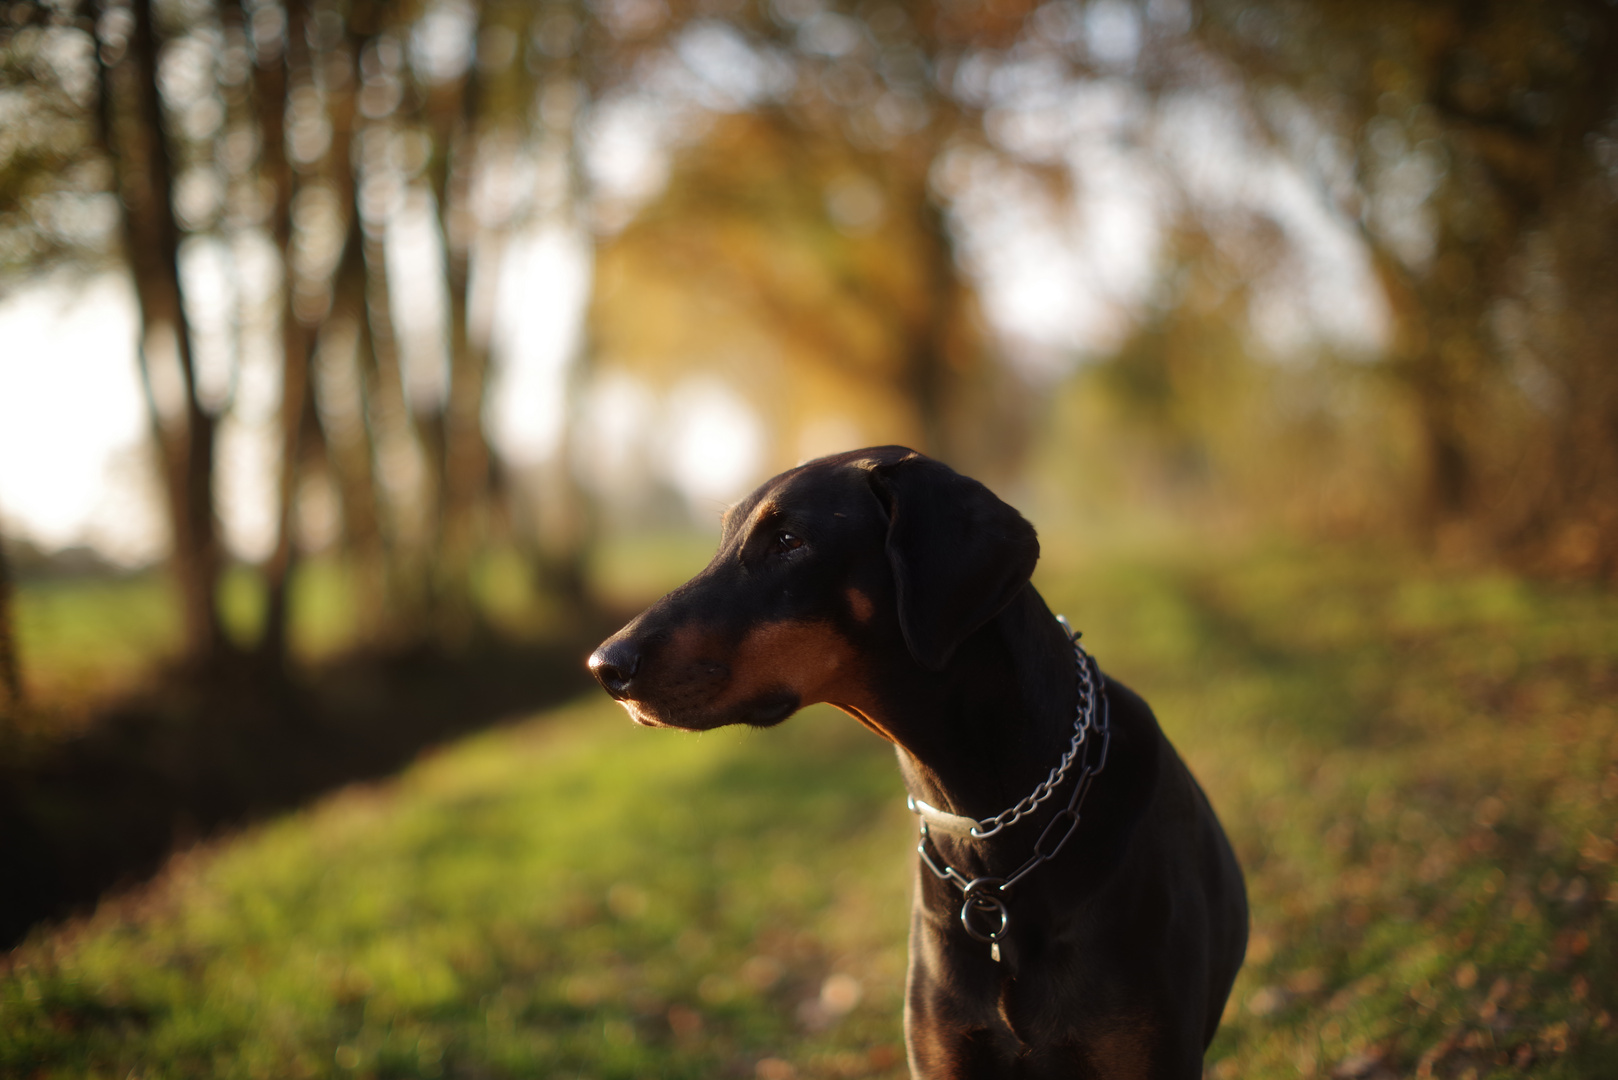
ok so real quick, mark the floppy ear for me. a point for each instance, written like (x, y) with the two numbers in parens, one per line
(958, 553)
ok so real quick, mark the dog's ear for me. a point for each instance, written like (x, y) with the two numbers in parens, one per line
(958, 553)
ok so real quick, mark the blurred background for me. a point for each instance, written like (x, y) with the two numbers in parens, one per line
(362, 363)
(444, 297)
(407, 288)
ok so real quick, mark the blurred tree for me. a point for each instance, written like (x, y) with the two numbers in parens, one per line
(822, 162)
(312, 123)
(1480, 132)
(816, 215)
(135, 134)
(52, 177)
(11, 684)
(568, 65)
(779, 239)
(348, 370)
(336, 70)
(478, 119)
(280, 61)
(394, 563)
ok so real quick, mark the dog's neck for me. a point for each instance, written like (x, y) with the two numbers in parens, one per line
(978, 736)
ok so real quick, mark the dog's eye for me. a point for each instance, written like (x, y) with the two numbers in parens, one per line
(785, 541)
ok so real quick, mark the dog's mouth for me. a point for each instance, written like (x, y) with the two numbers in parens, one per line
(642, 715)
(763, 711)
(771, 709)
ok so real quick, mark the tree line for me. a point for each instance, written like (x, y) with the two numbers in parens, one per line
(1471, 149)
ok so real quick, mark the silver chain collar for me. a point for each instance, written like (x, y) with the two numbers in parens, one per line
(982, 896)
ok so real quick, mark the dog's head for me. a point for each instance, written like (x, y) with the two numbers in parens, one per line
(877, 556)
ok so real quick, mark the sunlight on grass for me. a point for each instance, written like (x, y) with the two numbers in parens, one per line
(83, 638)
(83, 641)
(1419, 771)
(575, 896)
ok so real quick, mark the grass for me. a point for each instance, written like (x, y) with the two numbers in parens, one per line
(1419, 769)
(566, 898)
(86, 640)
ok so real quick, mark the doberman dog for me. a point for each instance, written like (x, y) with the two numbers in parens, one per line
(1091, 929)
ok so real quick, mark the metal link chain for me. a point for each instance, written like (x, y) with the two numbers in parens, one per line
(982, 896)
(1085, 714)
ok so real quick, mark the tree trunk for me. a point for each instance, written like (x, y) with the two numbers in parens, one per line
(399, 450)
(11, 689)
(1441, 400)
(184, 430)
(351, 447)
(464, 465)
(271, 75)
(568, 522)
(926, 364)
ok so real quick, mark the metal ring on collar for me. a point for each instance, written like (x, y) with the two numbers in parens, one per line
(984, 903)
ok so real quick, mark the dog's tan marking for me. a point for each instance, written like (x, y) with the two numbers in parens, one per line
(860, 604)
(810, 658)
(1124, 1051)
(680, 673)
(864, 718)
(761, 513)
(686, 645)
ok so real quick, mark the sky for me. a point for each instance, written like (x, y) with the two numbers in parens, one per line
(74, 441)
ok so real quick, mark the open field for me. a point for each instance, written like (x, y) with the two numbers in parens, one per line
(85, 641)
(1419, 769)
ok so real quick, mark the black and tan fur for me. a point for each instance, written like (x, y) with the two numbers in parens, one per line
(885, 583)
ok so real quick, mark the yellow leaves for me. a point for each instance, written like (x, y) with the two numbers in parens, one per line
(1260, 948)
(685, 1023)
(771, 1068)
(1306, 981)
(1571, 943)
(1554, 1037)
(627, 901)
(1437, 863)
(1438, 1051)
(1489, 811)
(815, 280)
(1266, 1000)
(1596, 851)
(1340, 837)
(1491, 1004)
(1360, 988)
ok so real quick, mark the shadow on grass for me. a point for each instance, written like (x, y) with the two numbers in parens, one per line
(192, 755)
(568, 896)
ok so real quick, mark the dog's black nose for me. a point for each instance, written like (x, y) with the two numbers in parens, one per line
(614, 666)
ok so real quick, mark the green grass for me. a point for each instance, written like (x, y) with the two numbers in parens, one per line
(85, 641)
(1419, 770)
(543, 901)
